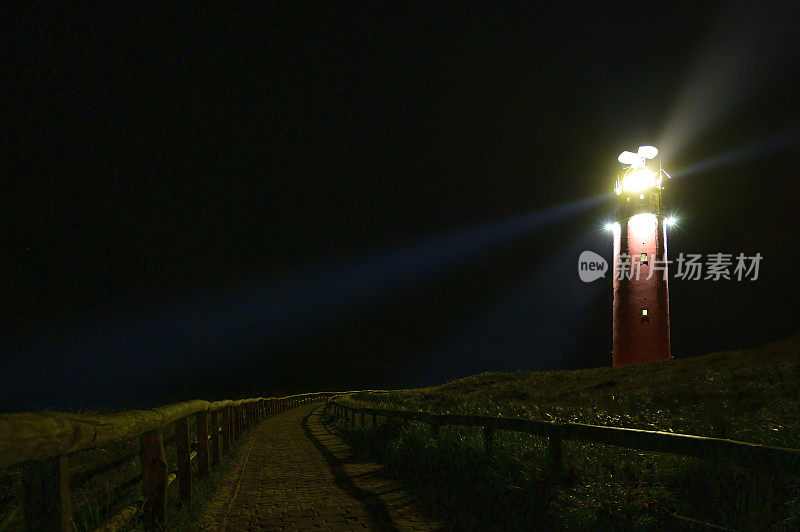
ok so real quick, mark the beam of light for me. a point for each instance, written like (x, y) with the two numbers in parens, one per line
(752, 150)
(187, 335)
(751, 43)
(537, 324)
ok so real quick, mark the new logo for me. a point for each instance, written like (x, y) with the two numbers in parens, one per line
(591, 266)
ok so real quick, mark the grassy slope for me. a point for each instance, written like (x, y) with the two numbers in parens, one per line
(750, 395)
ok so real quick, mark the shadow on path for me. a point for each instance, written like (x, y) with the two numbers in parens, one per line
(381, 520)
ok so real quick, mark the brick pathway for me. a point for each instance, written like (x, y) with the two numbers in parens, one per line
(292, 473)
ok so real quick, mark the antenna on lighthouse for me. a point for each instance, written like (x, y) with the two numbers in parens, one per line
(638, 159)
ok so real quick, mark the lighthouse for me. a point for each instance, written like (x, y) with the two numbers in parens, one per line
(641, 291)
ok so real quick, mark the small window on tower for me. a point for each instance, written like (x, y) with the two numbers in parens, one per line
(644, 257)
(641, 196)
(644, 312)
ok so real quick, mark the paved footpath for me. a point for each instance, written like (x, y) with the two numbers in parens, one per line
(292, 473)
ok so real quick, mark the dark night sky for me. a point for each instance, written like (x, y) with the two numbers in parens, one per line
(303, 196)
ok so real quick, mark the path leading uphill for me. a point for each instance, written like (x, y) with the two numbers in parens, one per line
(292, 473)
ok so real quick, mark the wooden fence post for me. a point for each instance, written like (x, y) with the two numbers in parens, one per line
(233, 424)
(154, 476)
(215, 437)
(374, 419)
(183, 451)
(226, 428)
(201, 420)
(47, 498)
(362, 418)
(488, 440)
(555, 452)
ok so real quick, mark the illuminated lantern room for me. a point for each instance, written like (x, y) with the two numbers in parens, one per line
(639, 187)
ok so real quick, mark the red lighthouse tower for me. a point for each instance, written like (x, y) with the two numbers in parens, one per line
(641, 292)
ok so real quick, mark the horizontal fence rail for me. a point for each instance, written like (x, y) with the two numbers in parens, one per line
(44, 442)
(752, 455)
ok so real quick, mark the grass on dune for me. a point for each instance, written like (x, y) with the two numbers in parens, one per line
(749, 395)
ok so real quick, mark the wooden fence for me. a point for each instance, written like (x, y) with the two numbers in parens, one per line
(755, 456)
(47, 439)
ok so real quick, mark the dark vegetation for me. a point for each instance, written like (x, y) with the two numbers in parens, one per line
(749, 395)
